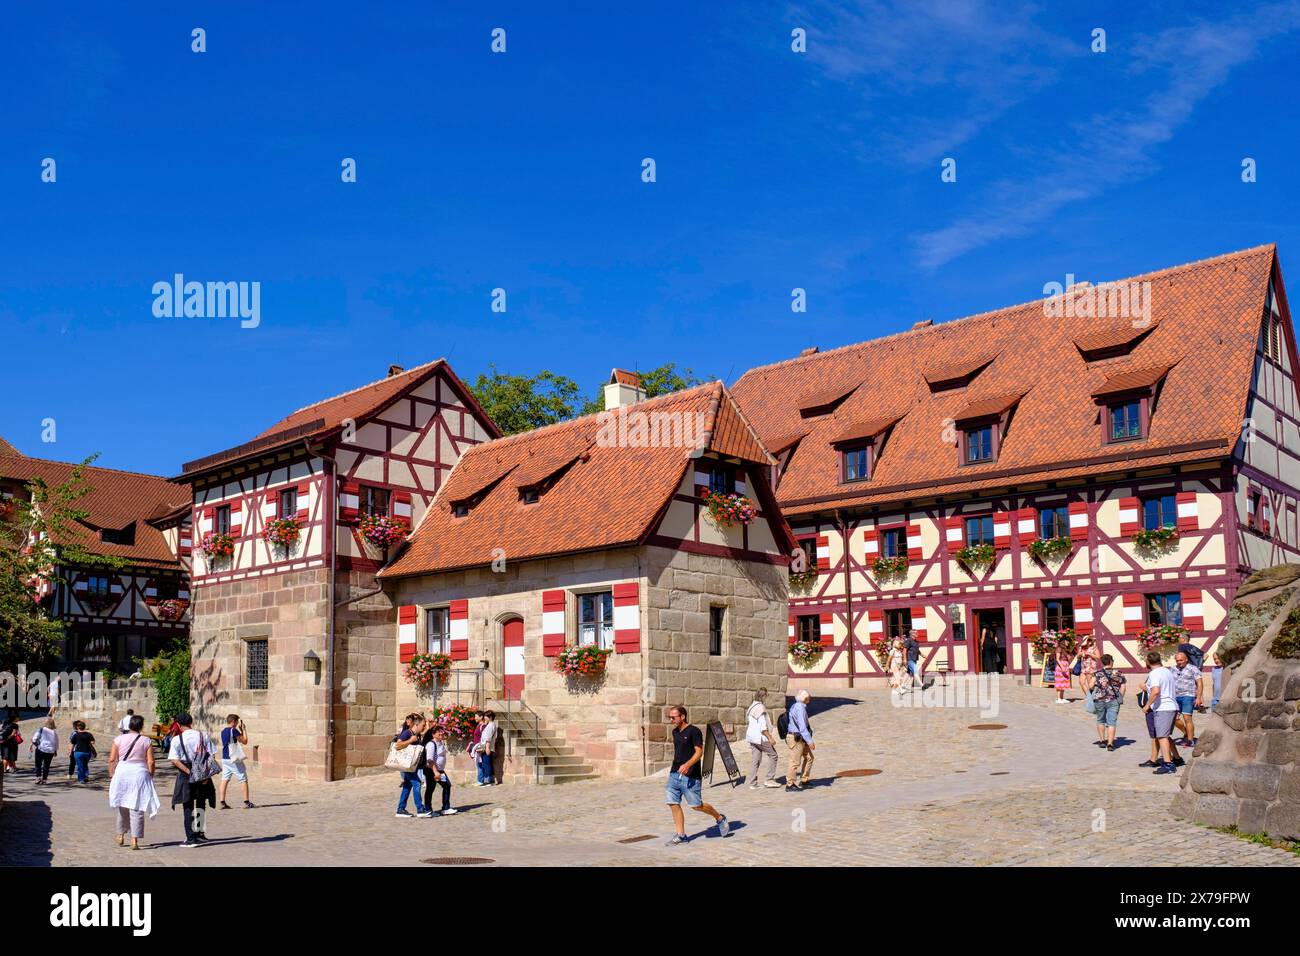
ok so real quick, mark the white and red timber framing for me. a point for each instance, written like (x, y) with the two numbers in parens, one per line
(1210, 380)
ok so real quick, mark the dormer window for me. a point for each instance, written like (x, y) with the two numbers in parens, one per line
(460, 509)
(857, 462)
(529, 496)
(1125, 420)
(979, 444)
(722, 480)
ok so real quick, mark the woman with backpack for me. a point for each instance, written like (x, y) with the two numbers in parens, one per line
(191, 755)
(131, 791)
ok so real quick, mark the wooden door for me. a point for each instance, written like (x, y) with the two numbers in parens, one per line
(512, 675)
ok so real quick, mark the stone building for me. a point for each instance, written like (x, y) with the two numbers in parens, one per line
(595, 532)
(284, 633)
(1109, 459)
(113, 616)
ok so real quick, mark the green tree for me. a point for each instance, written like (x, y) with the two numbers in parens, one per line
(657, 381)
(39, 535)
(518, 403)
(171, 681)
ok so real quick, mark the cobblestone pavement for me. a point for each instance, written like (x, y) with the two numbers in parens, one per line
(1035, 792)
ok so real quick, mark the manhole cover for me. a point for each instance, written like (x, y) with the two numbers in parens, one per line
(457, 860)
(857, 773)
(987, 727)
(638, 839)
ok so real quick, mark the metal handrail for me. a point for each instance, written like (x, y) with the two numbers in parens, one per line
(511, 704)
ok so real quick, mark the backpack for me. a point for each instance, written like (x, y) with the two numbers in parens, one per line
(203, 766)
(783, 725)
(1195, 656)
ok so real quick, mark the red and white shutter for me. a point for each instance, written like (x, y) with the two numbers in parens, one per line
(406, 637)
(205, 521)
(1030, 623)
(552, 623)
(304, 499)
(826, 632)
(1002, 529)
(919, 624)
(871, 543)
(151, 592)
(185, 540)
(794, 628)
(349, 501)
(1134, 619)
(875, 626)
(270, 506)
(1193, 610)
(702, 479)
(1078, 521)
(823, 552)
(1130, 516)
(952, 533)
(1189, 518)
(627, 618)
(401, 506)
(915, 552)
(458, 630)
(742, 487)
(1083, 622)
(1026, 526)
(236, 518)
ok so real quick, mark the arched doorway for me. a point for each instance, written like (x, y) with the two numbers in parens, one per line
(512, 658)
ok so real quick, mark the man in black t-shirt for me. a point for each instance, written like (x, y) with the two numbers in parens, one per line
(684, 775)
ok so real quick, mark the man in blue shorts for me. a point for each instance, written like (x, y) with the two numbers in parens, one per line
(1187, 692)
(684, 781)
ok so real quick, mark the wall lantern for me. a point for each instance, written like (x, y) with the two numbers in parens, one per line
(311, 663)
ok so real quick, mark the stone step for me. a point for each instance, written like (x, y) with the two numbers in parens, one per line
(568, 776)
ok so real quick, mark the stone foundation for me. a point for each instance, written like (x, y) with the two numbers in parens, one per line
(1245, 770)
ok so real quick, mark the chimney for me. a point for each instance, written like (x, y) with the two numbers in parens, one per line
(810, 350)
(923, 324)
(395, 370)
(624, 389)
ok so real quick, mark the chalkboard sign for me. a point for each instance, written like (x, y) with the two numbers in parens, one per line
(715, 742)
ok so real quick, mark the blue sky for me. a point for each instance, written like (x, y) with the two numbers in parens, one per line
(522, 171)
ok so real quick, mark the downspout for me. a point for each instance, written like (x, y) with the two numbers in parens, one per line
(330, 531)
(848, 591)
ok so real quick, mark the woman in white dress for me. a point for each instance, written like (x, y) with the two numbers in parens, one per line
(131, 791)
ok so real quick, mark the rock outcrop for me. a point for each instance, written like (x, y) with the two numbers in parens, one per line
(1245, 770)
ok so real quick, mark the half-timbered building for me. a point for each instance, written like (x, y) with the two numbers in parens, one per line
(595, 532)
(1063, 463)
(290, 629)
(115, 613)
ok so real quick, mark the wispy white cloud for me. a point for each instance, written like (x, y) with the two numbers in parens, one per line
(1179, 68)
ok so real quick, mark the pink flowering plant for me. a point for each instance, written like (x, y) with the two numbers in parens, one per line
(283, 532)
(423, 670)
(217, 544)
(1049, 643)
(457, 721)
(171, 609)
(805, 654)
(585, 660)
(890, 567)
(383, 531)
(729, 510)
(1161, 637)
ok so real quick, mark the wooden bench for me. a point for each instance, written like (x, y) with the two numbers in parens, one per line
(157, 735)
(941, 668)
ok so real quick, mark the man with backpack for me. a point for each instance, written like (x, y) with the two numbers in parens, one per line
(798, 735)
(191, 755)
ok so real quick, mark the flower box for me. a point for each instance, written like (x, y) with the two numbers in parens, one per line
(217, 544)
(383, 531)
(1049, 549)
(890, 567)
(801, 582)
(1064, 642)
(729, 510)
(424, 670)
(804, 654)
(172, 609)
(1156, 541)
(283, 532)
(457, 721)
(1161, 637)
(584, 661)
(976, 556)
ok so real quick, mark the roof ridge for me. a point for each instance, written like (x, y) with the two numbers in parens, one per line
(995, 313)
(569, 422)
(77, 464)
(360, 388)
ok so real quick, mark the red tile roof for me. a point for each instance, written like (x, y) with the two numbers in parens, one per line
(612, 496)
(1131, 379)
(328, 415)
(1206, 322)
(116, 500)
(955, 370)
(8, 449)
(985, 407)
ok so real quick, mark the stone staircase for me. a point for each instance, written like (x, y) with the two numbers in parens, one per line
(541, 755)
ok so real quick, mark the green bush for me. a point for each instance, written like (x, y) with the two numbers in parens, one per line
(171, 681)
